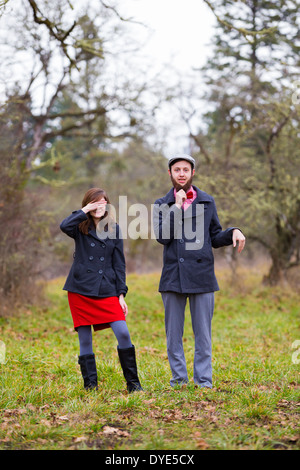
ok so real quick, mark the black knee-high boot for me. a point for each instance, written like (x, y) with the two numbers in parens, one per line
(129, 367)
(88, 371)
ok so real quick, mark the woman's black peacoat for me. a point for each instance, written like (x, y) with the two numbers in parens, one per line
(98, 268)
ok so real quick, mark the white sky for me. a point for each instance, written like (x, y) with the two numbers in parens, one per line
(181, 29)
(178, 39)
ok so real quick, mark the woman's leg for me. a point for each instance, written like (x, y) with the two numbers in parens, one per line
(85, 339)
(121, 332)
(86, 360)
(126, 352)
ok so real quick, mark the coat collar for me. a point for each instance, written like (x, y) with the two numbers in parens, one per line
(105, 236)
(201, 196)
(93, 233)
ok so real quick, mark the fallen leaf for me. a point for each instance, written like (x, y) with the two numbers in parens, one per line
(63, 418)
(14, 412)
(42, 441)
(148, 402)
(80, 439)
(200, 442)
(46, 422)
(117, 431)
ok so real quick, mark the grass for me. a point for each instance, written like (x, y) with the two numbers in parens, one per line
(254, 403)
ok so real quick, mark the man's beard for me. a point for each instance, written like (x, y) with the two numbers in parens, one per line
(178, 186)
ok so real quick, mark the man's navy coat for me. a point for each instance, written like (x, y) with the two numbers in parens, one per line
(188, 271)
(99, 265)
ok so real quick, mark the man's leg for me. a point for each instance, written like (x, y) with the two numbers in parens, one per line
(174, 324)
(202, 308)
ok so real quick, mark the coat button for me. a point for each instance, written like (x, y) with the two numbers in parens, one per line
(102, 258)
(100, 271)
(181, 241)
(91, 257)
(92, 244)
(181, 260)
(103, 246)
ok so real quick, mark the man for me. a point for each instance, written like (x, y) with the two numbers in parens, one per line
(187, 224)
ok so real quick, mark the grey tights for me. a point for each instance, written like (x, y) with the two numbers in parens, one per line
(119, 328)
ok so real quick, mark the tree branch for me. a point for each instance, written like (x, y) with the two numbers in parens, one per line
(274, 133)
(243, 31)
(59, 34)
(78, 114)
(109, 7)
(201, 146)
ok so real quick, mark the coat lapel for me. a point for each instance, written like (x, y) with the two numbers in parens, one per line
(93, 233)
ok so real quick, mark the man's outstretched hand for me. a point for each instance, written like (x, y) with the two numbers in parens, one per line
(238, 238)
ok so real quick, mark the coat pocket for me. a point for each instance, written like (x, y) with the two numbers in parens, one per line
(110, 275)
(78, 270)
(82, 272)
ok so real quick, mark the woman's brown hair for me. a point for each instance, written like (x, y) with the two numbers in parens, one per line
(93, 195)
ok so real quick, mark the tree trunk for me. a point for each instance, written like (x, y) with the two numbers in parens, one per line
(277, 273)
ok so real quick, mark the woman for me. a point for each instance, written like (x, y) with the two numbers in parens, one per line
(96, 285)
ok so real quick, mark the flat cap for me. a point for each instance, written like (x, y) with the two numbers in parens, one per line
(181, 156)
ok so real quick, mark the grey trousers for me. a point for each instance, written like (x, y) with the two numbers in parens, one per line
(201, 308)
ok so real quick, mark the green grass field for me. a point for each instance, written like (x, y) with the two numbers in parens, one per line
(254, 403)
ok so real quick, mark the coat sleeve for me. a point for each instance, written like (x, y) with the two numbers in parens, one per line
(218, 236)
(166, 222)
(70, 224)
(119, 265)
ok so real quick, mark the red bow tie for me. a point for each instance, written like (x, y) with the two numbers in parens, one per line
(190, 195)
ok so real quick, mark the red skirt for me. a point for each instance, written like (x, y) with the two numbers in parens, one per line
(99, 312)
